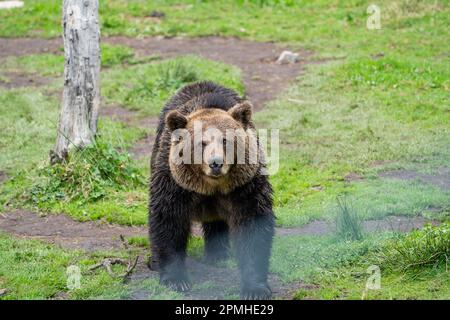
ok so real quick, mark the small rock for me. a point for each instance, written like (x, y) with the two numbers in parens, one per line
(3, 292)
(10, 4)
(287, 57)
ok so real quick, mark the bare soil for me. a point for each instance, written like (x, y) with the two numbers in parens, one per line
(19, 80)
(441, 179)
(25, 46)
(3, 176)
(64, 231)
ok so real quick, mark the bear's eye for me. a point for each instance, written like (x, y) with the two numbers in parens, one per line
(204, 144)
(177, 139)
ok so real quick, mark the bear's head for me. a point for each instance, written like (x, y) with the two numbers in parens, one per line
(213, 151)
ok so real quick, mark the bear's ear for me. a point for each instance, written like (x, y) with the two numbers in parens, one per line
(242, 112)
(175, 120)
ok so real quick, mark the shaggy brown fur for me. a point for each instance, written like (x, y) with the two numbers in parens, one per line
(235, 200)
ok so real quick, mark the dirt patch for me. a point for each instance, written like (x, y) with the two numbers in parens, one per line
(25, 46)
(440, 179)
(263, 78)
(143, 147)
(118, 113)
(352, 176)
(66, 232)
(3, 176)
(19, 80)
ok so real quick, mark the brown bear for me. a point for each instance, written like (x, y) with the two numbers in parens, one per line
(230, 198)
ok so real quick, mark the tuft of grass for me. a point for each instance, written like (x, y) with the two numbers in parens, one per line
(146, 87)
(139, 241)
(348, 223)
(429, 247)
(113, 55)
(85, 176)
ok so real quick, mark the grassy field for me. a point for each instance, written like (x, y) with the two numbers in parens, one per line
(379, 102)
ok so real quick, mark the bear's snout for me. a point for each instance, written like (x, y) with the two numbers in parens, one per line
(216, 164)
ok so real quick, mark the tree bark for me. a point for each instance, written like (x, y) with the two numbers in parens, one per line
(81, 96)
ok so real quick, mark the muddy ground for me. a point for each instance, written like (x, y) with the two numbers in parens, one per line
(19, 80)
(440, 179)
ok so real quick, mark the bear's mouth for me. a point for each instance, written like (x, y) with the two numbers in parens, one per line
(215, 175)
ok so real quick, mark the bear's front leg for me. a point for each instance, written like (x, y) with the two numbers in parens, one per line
(253, 242)
(169, 232)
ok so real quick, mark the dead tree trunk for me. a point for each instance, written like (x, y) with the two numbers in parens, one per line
(81, 97)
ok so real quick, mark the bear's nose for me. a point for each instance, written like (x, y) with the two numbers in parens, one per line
(215, 165)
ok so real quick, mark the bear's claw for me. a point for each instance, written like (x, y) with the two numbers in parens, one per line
(257, 292)
(177, 284)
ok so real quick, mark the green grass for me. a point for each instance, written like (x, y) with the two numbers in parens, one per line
(372, 199)
(45, 64)
(48, 64)
(28, 126)
(31, 269)
(298, 258)
(429, 247)
(145, 88)
(349, 283)
(249, 19)
(413, 266)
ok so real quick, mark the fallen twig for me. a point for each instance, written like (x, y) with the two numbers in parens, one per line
(107, 263)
